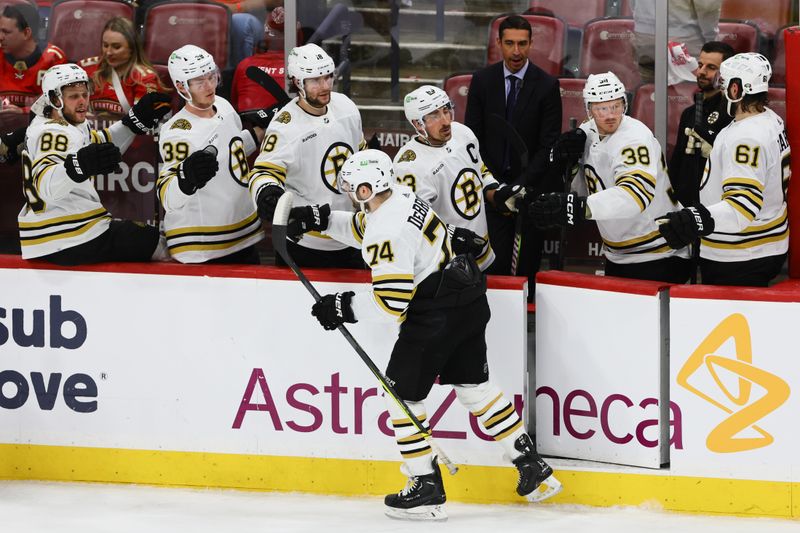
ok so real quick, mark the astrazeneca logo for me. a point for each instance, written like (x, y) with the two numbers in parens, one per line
(744, 410)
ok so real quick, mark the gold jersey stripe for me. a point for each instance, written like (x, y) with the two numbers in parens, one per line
(78, 231)
(746, 213)
(488, 406)
(631, 242)
(625, 187)
(228, 228)
(509, 431)
(747, 182)
(59, 220)
(749, 244)
(182, 248)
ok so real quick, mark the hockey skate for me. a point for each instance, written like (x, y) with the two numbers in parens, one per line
(536, 480)
(422, 498)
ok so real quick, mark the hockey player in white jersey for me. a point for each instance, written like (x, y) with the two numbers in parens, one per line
(304, 148)
(424, 279)
(208, 214)
(63, 220)
(742, 217)
(442, 164)
(622, 184)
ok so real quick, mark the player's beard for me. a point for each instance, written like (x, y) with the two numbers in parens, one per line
(317, 102)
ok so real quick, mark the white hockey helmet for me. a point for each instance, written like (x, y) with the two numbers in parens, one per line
(751, 69)
(367, 167)
(308, 61)
(604, 87)
(189, 62)
(424, 100)
(58, 77)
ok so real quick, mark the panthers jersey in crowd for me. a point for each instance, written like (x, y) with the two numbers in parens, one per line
(626, 181)
(218, 219)
(104, 97)
(403, 242)
(744, 189)
(453, 179)
(58, 212)
(303, 154)
(21, 80)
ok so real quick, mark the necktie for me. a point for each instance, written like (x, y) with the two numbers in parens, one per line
(511, 99)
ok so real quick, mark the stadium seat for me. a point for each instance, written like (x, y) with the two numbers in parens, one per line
(457, 86)
(571, 101)
(779, 59)
(625, 8)
(680, 97)
(171, 24)
(575, 13)
(4, 3)
(76, 26)
(767, 16)
(608, 45)
(777, 101)
(742, 36)
(549, 42)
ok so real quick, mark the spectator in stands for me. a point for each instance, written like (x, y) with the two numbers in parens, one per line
(530, 100)
(122, 74)
(24, 61)
(269, 57)
(247, 25)
(692, 22)
(688, 161)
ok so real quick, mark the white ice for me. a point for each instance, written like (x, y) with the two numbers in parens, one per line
(34, 507)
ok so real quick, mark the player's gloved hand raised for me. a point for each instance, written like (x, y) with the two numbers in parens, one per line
(556, 209)
(333, 310)
(307, 218)
(266, 200)
(681, 228)
(507, 198)
(145, 114)
(11, 142)
(465, 241)
(91, 160)
(569, 147)
(197, 169)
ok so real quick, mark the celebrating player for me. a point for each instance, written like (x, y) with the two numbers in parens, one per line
(432, 284)
(742, 216)
(209, 217)
(304, 148)
(63, 220)
(442, 164)
(624, 175)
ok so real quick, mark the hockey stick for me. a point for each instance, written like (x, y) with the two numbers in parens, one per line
(698, 122)
(279, 223)
(512, 136)
(562, 238)
(268, 83)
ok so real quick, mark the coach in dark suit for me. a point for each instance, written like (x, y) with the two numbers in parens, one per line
(530, 100)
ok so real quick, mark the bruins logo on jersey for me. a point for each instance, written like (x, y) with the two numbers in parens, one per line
(466, 193)
(408, 155)
(284, 118)
(332, 163)
(181, 124)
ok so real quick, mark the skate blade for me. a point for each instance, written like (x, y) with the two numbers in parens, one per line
(547, 489)
(423, 512)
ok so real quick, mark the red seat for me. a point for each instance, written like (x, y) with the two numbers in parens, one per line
(576, 13)
(680, 97)
(779, 59)
(625, 8)
(457, 86)
(768, 16)
(608, 46)
(549, 40)
(572, 105)
(171, 24)
(4, 3)
(742, 36)
(76, 26)
(777, 101)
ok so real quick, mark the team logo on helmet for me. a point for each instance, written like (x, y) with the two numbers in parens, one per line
(465, 194)
(332, 163)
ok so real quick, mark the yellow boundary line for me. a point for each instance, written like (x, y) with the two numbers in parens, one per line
(476, 484)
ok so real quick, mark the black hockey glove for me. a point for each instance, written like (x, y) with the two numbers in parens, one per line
(91, 160)
(307, 218)
(11, 141)
(266, 201)
(508, 197)
(556, 209)
(569, 147)
(197, 169)
(465, 241)
(145, 114)
(333, 310)
(681, 228)
(259, 117)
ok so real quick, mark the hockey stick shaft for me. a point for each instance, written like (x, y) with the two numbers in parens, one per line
(698, 122)
(562, 239)
(279, 223)
(269, 84)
